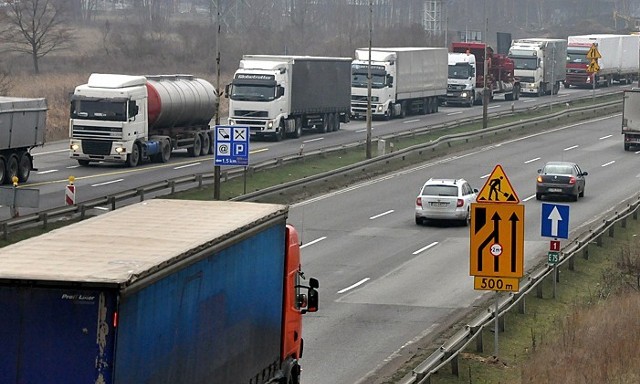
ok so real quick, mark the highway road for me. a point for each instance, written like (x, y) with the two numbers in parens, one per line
(55, 166)
(387, 284)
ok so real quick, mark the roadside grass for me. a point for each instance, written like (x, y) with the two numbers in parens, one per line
(588, 333)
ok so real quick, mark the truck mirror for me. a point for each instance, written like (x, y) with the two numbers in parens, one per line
(312, 303)
(314, 283)
(280, 92)
(226, 90)
(389, 80)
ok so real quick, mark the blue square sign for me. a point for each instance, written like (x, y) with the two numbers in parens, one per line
(232, 145)
(555, 221)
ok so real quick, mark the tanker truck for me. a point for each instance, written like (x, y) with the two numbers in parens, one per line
(282, 96)
(22, 127)
(404, 81)
(131, 119)
(619, 60)
(128, 297)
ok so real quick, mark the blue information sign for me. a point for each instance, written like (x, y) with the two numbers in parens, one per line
(555, 221)
(232, 145)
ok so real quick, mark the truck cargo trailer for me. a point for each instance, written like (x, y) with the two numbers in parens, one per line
(163, 291)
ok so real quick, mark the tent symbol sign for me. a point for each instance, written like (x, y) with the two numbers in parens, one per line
(498, 189)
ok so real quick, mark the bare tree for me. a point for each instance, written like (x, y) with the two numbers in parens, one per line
(36, 28)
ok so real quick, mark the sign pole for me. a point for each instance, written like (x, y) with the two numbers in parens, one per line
(496, 326)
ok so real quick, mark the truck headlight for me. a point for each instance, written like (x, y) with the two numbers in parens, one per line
(464, 94)
(379, 108)
(75, 146)
(270, 124)
(232, 122)
(120, 150)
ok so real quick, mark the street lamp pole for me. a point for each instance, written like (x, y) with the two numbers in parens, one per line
(216, 169)
(485, 90)
(369, 84)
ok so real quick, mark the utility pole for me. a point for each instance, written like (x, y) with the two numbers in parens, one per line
(485, 90)
(216, 169)
(369, 83)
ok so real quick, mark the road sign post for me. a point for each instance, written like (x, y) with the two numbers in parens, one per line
(593, 55)
(554, 221)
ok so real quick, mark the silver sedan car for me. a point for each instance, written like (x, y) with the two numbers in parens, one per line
(560, 178)
(445, 199)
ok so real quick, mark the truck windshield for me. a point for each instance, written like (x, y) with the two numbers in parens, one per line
(252, 92)
(460, 71)
(99, 110)
(524, 62)
(577, 57)
(359, 80)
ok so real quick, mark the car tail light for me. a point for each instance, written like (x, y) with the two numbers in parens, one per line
(572, 180)
(419, 202)
(460, 203)
(539, 179)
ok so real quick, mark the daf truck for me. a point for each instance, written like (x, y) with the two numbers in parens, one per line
(539, 64)
(618, 60)
(404, 81)
(130, 119)
(282, 96)
(163, 292)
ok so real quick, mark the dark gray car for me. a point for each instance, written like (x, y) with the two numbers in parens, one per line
(560, 178)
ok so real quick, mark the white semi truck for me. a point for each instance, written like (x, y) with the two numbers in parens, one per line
(280, 96)
(461, 85)
(539, 64)
(407, 80)
(631, 118)
(130, 119)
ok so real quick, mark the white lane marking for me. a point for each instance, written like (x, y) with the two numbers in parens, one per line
(529, 198)
(102, 208)
(74, 166)
(363, 130)
(493, 106)
(313, 242)
(563, 95)
(425, 248)
(354, 285)
(107, 183)
(187, 165)
(49, 152)
(571, 147)
(607, 164)
(454, 113)
(259, 150)
(605, 137)
(49, 171)
(532, 160)
(528, 101)
(312, 140)
(381, 214)
(485, 176)
(410, 121)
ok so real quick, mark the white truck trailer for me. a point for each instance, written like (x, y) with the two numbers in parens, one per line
(280, 96)
(539, 64)
(631, 118)
(22, 127)
(408, 80)
(619, 61)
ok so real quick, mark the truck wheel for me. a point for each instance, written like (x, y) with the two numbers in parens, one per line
(12, 167)
(165, 152)
(297, 132)
(195, 150)
(627, 147)
(3, 173)
(83, 163)
(325, 124)
(134, 157)
(24, 167)
(206, 144)
(332, 122)
(336, 122)
(281, 132)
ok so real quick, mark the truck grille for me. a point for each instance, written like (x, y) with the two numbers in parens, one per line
(359, 98)
(96, 147)
(248, 113)
(85, 132)
(575, 70)
(455, 87)
(526, 79)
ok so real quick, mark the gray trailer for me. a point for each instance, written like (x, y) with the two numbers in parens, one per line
(22, 127)
(631, 118)
(279, 96)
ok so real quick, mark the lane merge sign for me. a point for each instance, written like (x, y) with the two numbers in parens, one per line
(555, 221)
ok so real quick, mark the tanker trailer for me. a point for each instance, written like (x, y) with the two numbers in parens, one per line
(131, 119)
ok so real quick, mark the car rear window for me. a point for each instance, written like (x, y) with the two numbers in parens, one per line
(559, 169)
(440, 190)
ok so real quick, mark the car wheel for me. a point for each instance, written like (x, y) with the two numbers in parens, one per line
(574, 197)
(418, 220)
(581, 193)
(538, 196)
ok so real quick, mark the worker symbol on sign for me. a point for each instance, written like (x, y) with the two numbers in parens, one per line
(498, 189)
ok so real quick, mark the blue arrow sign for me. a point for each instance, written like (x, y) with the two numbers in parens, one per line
(555, 221)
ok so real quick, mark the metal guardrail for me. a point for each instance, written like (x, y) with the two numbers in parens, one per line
(449, 351)
(198, 180)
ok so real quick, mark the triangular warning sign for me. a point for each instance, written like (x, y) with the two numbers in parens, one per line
(498, 189)
(593, 53)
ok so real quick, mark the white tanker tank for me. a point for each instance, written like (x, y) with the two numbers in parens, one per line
(129, 119)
